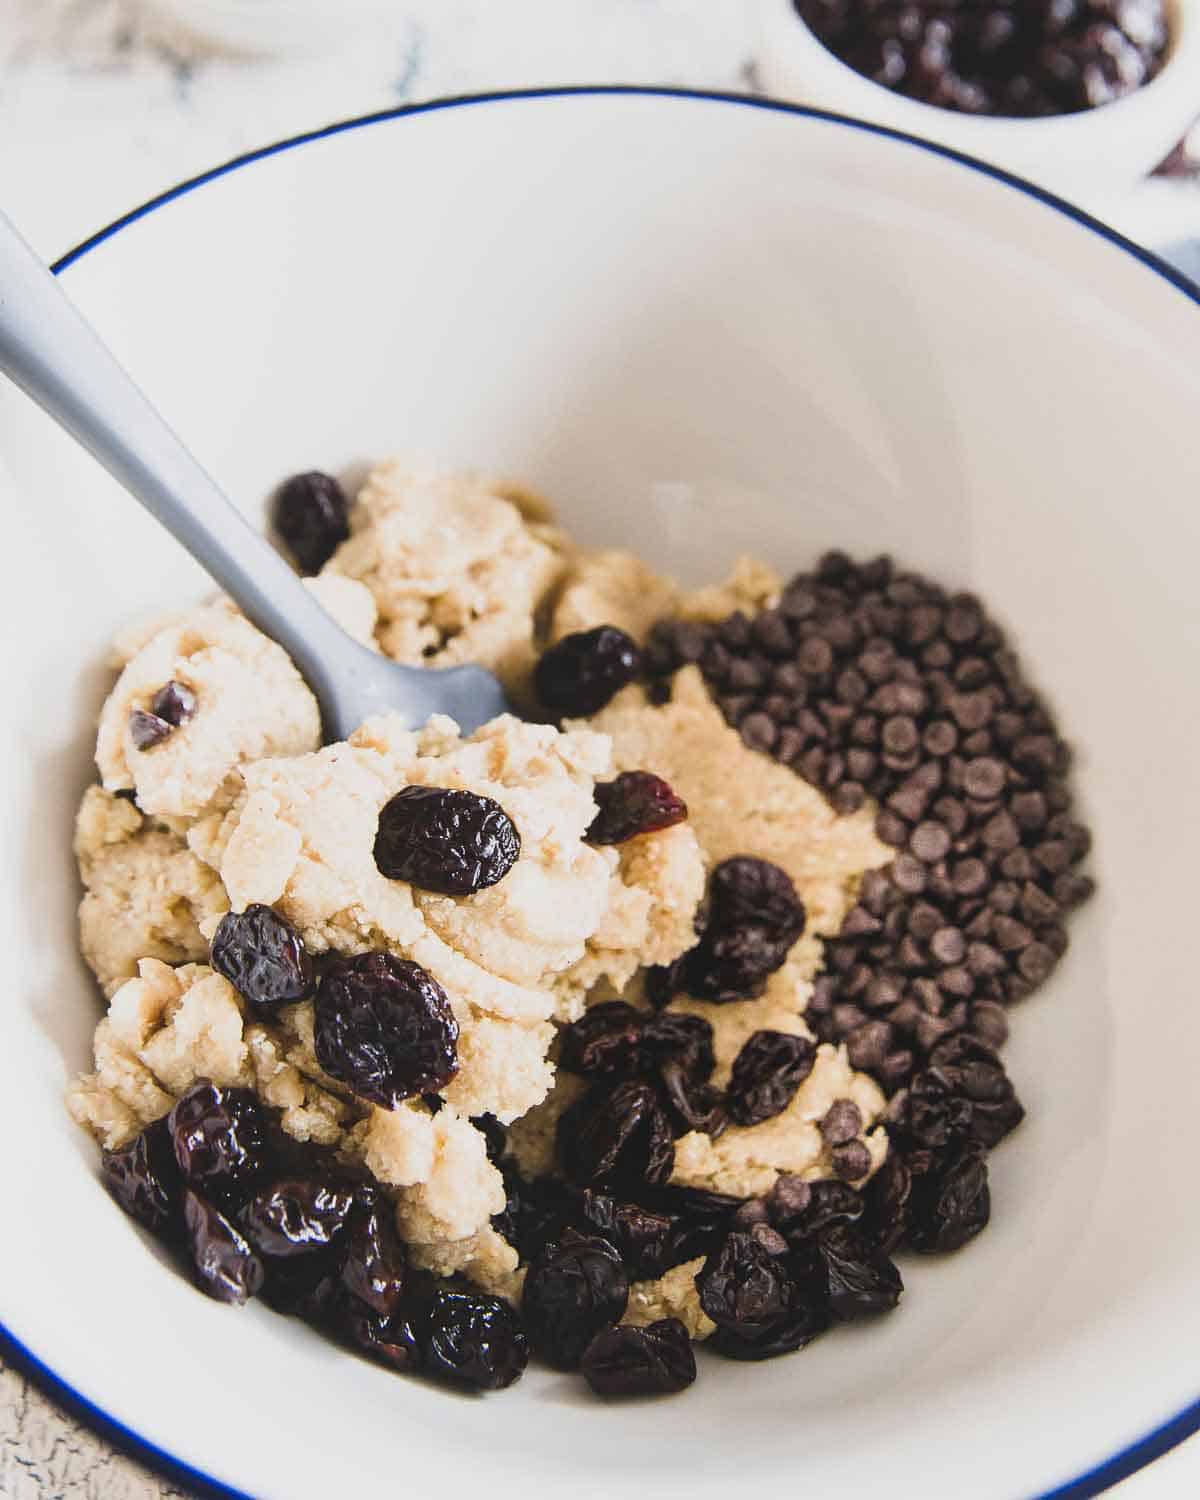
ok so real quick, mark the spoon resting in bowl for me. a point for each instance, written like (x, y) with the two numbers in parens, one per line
(56, 357)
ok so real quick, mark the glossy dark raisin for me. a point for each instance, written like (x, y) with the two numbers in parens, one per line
(826, 1202)
(572, 1290)
(754, 916)
(174, 703)
(795, 1329)
(680, 1037)
(223, 1264)
(971, 1070)
(635, 803)
(700, 1219)
(472, 1339)
(578, 675)
(860, 1279)
(392, 1341)
(311, 515)
(494, 1134)
(656, 1360)
(303, 1285)
(536, 1211)
(951, 1201)
(373, 1262)
(607, 1038)
(296, 1216)
(641, 1237)
(219, 1137)
(691, 1105)
(384, 1027)
(447, 841)
(263, 958)
(744, 889)
(664, 981)
(144, 1179)
(885, 1204)
(742, 1287)
(617, 1137)
(766, 1074)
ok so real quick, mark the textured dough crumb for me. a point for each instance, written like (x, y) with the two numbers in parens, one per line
(145, 894)
(672, 1295)
(250, 702)
(457, 571)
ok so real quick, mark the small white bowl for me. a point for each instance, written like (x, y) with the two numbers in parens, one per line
(701, 325)
(1094, 151)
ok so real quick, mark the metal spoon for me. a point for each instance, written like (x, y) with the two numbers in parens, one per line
(57, 358)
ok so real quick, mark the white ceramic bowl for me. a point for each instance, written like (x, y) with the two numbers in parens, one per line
(700, 325)
(1082, 155)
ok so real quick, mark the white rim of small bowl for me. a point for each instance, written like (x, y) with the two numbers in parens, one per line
(1159, 1440)
(984, 134)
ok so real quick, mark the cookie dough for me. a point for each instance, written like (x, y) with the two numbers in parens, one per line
(146, 894)
(250, 702)
(459, 566)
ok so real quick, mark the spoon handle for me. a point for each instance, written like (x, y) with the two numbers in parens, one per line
(56, 357)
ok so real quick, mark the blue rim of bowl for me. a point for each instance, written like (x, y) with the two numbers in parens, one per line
(1101, 1476)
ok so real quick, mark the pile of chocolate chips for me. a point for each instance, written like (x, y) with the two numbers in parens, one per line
(998, 57)
(874, 682)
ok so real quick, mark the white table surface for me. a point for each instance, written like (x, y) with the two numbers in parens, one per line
(104, 103)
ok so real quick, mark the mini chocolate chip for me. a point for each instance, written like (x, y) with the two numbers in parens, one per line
(848, 1017)
(883, 990)
(1017, 865)
(1071, 889)
(1030, 811)
(970, 711)
(789, 745)
(983, 777)
(815, 656)
(753, 1211)
(848, 798)
(891, 829)
(1055, 938)
(770, 1239)
(950, 812)
(900, 735)
(910, 799)
(908, 874)
(770, 629)
(1003, 897)
(969, 877)
(988, 1022)
(923, 623)
(924, 920)
(948, 945)
(928, 996)
(789, 1198)
(147, 730)
(859, 922)
(937, 656)
(1054, 856)
(964, 620)
(911, 956)
(1010, 935)
(864, 730)
(983, 960)
(957, 982)
(174, 702)
(851, 1161)
(874, 891)
(931, 1030)
(940, 737)
(1001, 833)
(1036, 962)
(758, 731)
(841, 1122)
(896, 1068)
(929, 842)
(868, 1044)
